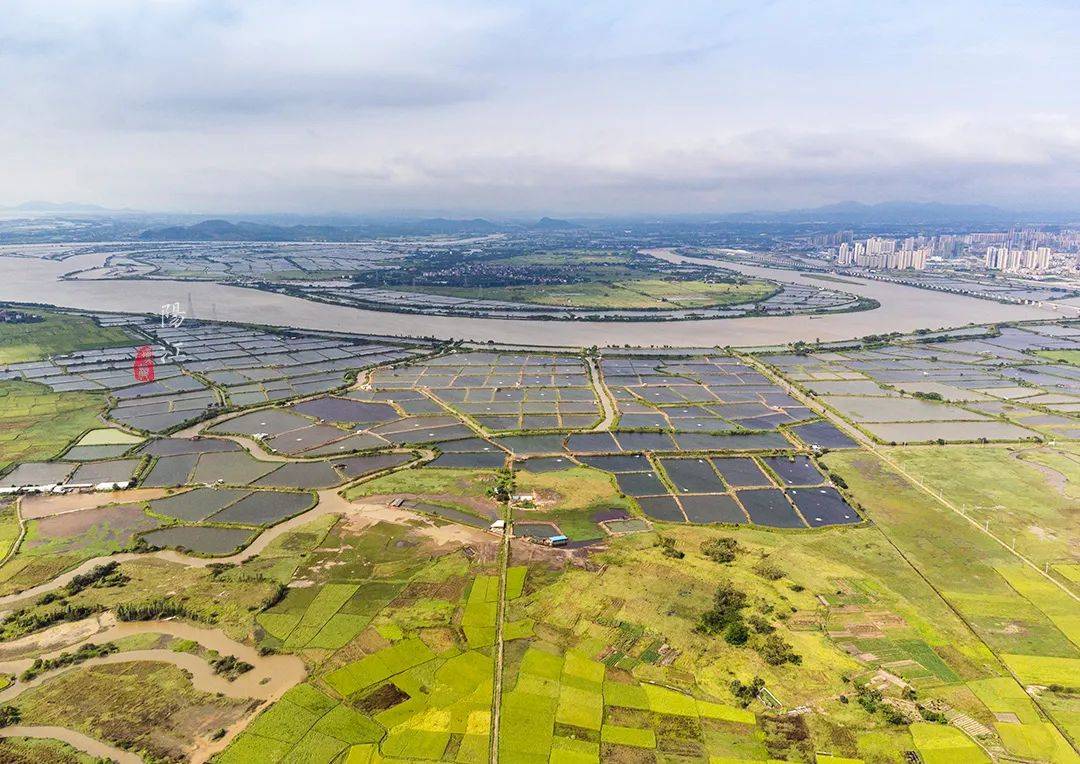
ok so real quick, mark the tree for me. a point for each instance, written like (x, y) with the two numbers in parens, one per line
(770, 570)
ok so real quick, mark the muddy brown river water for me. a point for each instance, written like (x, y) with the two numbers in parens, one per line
(902, 309)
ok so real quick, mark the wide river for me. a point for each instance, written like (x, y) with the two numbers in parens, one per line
(903, 309)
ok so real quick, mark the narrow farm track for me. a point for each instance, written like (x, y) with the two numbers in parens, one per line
(603, 394)
(872, 447)
(496, 689)
(22, 532)
(76, 740)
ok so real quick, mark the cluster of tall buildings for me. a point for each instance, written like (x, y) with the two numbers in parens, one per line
(884, 254)
(1036, 260)
(1020, 250)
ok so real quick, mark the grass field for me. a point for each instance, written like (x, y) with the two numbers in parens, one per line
(1065, 356)
(463, 488)
(1064, 707)
(109, 436)
(9, 528)
(1023, 731)
(24, 750)
(1003, 695)
(1045, 669)
(91, 533)
(1038, 742)
(1053, 601)
(589, 614)
(58, 333)
(316, 620)
(1026, 493)
(393, 622)
(304, 725)
(36, 423)
(559, 699)
(569, 498)
(963, 563)
(938, 744)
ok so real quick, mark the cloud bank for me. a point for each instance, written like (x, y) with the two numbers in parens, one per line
(569, 108)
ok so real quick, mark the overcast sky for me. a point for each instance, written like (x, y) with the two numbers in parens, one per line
(553, 107)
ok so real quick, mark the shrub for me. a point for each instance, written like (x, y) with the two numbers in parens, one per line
(736, 633)
(769, 570)
(869, 698)
(155, 609)
(745, 693)
(893, 715)
(728, 603)
(84, 653)
(108, 574)
(721, 550)
(27, 620)
(760, 624)
(230, 666)
(667, 548)
(776, 651)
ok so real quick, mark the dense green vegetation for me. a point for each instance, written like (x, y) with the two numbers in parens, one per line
(36, 423)
(583, 279)
(55, 334)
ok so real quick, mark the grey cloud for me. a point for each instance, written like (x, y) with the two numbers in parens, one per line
(293, 96)
(613, 105)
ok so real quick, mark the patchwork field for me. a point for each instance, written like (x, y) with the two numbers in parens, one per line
(54, 334)
(311, 576)
(1003, 387)
(36, 423)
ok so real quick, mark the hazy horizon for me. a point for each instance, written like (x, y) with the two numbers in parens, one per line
(604, 109)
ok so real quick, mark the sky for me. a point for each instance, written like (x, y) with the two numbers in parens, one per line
(568, 108)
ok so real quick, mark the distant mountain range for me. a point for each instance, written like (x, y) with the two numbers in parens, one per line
(223, 230)
(352, 227)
